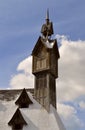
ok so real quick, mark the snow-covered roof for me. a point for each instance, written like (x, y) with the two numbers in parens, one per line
(36, 117)
(49, 44)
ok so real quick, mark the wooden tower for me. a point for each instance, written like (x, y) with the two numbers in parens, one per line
(45, 66)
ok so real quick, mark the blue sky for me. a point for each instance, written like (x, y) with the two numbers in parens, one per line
(20, 25)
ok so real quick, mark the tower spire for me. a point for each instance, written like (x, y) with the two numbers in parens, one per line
(47, 15)
(47, 28)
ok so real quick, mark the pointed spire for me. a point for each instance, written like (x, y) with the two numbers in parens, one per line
(47, 14)
(47, 17)
(47, 28)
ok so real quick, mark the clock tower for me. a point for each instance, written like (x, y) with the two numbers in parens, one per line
(45, 57)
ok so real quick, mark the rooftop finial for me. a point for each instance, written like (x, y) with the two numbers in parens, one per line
(47, 14)
(47, 28)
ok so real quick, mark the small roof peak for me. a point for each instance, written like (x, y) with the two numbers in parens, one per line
(17, 118)
(24, 100)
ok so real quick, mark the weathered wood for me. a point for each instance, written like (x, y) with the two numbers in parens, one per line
(45, 58)
(45, 69)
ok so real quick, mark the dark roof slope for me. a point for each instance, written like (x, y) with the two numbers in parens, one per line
(23, 100)
(48, 44)
(17, 119)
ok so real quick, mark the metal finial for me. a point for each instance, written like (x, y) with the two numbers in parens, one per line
(47, 14)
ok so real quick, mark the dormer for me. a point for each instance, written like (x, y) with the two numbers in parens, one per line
(17, 121)
(24, 100)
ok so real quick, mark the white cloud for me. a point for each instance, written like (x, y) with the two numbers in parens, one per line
(82, 105)
(21, 81)
(26, 66)
(61, 38)
(69, 116)
(71, 83)
(66, 110)
(24, 79)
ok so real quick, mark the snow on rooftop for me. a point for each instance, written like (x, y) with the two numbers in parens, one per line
(36, 116)
(49, 44)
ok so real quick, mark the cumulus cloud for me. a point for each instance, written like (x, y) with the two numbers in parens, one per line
(69, 116)
(24, 78)
(82, 105)
(66, 110)
(22, 81)
(26, 66)
(71, 83)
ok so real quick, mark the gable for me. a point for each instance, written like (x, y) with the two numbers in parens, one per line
(42, 52)
(38, 47)
(43, 45)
